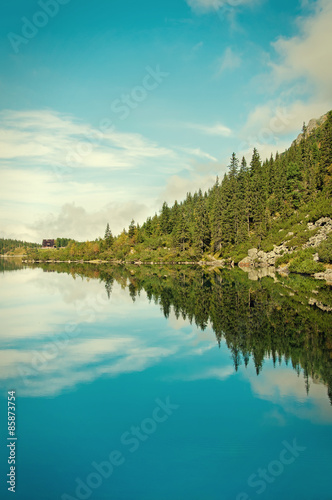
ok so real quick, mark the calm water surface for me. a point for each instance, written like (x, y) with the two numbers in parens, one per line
(145, 384)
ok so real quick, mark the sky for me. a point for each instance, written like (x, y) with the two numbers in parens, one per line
(108, 108)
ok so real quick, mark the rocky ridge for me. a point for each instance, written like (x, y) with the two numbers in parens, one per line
(312, 125)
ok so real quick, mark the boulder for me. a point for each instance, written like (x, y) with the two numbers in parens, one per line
(325, 228)
(320, 305)
(246, 262)
(325, 275)
(252, 253)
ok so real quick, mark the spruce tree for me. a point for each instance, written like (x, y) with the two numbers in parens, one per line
(132, 229)
(202, 236)
(108, 236)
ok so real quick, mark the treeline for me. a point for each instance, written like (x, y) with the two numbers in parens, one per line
(19, 246)
(62, 242)
(249, 207)
(9, 245)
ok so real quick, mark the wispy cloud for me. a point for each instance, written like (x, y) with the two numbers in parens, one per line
(198, 46)
(229, 61)
(199, 153)
(216, 129)
(49, 138)
(63, 177)
(200, 6)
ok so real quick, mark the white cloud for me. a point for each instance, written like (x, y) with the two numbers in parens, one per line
(287, 390)
(106, 342)
(76, 220)
(301, 74)
(216, 129)
(35, 204)
(199, 153)
(177, 187)
(217, 373)
(49, 139)
(308, 55)
(109, 177)
(229, 61)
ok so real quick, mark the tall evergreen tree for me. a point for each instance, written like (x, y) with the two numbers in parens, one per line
(202, 235)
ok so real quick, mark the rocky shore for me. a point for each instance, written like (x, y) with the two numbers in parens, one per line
(259, 259)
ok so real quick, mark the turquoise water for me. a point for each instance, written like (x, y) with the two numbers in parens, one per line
(115, 400)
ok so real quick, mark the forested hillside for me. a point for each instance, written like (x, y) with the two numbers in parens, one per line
(251, 206)
(250, 199)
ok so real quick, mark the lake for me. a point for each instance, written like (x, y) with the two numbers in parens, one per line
(147, 383)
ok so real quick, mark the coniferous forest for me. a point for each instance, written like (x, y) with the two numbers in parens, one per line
(253, 205)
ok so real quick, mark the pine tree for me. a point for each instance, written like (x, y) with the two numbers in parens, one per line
(216, 219)
(108, 236)
(181, 234)
(107, 231)
(202, 236)
(132, 229)
(165, 222)
(244, 201)
(234, 199)
(258, 195)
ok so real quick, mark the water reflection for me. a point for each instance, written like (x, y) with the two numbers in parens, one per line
(65, 331)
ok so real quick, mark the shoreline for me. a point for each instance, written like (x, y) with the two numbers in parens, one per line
(260, 271)
(257, 270)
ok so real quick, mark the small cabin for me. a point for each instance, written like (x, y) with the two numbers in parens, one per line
(48, 244)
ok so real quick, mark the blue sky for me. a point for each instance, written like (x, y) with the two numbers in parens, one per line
(109, 108)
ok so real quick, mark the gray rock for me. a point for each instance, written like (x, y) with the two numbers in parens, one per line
(254, 274)
(252, 253)
(325, 227)
(317, 303)
(312, 125)
(326, 275)
(246, 262)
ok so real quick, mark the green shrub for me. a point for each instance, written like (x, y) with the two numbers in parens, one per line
(267, 246)
(238, 257)
(325, 250)
(299, 255)
(321, 208)
(284, 259)
(307, 266)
